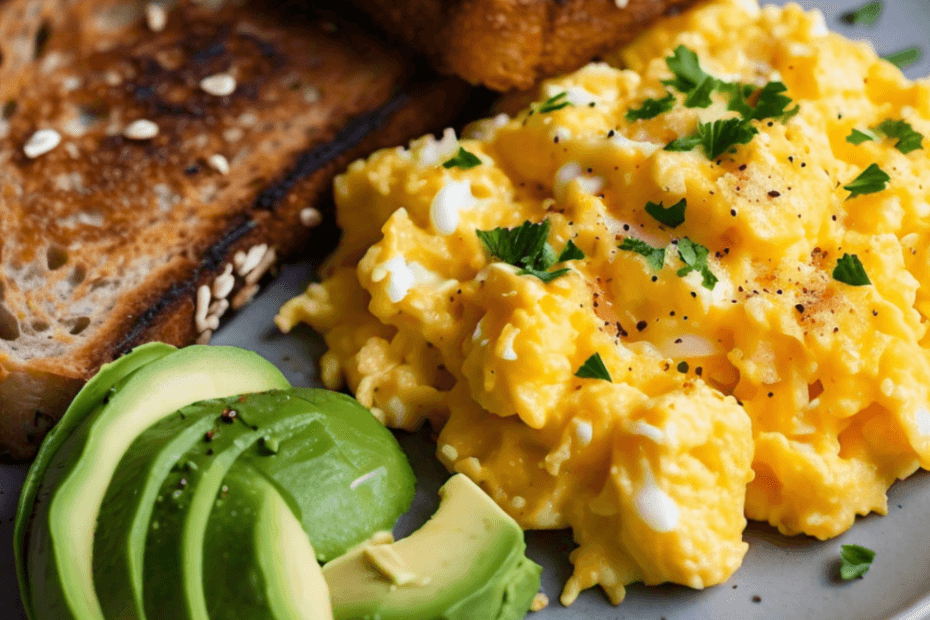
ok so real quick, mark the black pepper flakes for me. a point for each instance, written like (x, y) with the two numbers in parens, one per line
(774, 194)
(799, 307)
(229, 415)
(641, 325)
(682, 367)
(208, 436)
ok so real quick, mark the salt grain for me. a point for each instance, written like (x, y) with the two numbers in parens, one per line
(41, 143)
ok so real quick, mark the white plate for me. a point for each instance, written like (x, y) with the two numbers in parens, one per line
(787, 578)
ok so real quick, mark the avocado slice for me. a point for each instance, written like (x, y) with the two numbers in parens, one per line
(91, 395)
(265, 567)
(344, 472)
(467, 562)
(123, 521)
(59, 556)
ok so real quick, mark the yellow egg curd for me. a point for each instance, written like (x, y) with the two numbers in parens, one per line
(739, 333)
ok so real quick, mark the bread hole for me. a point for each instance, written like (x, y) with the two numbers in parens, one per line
(41, 41)
(9, 327)
(56, 257)
(9, 109)
(40, 326)
(79, 324)
(77, 275)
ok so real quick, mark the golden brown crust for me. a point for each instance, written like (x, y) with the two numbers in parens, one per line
(105, 240)
(507, 44)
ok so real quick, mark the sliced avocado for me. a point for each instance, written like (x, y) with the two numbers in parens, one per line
(59, 556)
(262, 565)
(345, 472)
(92, 394)
(123, 521)
(174, 548)
(467, 562)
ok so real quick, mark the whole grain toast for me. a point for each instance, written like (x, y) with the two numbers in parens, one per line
(157, 160)
(510, 44)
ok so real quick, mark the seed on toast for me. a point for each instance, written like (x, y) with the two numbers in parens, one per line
(142, 196)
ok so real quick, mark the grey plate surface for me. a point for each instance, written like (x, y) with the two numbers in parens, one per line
(781, 578)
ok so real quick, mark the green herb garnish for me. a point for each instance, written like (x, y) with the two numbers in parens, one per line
(718, 137)
(684, 143)
(594, 368)
(856, 561)
(858, 137)
(908, 139)
(654, 256)
(651, 108)
(686, 68)
(873, 179)
(553, 103)
(866, 15)
(699, 97)
(694, 256)
(905, 57)
(849, 270)
(526, 247)
(672, 217)
(463, 159)
(571, 252)
(773, 103)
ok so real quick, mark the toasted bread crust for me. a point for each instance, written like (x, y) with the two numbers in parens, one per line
(106, 240)
(510, 44)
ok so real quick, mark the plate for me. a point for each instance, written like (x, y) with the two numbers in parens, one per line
(781, 577)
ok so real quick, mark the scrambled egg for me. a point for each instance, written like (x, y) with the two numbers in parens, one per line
(774, 388)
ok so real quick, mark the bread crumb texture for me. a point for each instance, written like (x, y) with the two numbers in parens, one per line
(772, 390)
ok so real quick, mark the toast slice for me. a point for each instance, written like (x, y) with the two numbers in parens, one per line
(157, 160)
(510, 44)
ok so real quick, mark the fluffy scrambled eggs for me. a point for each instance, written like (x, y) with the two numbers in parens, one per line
(739, 332)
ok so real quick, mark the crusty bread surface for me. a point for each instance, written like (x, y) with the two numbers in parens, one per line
(510, 44)
(125, 232)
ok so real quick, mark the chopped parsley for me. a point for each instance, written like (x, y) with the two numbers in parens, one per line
(694, 256)
(463, 159)
(905, 57)
(773, 103)
(571, 252)
(856, 561)
(686, 68)
(865, 15)
(908, 139)
(684, 143)
(526, 246)
(651, 108)
(594, 368)
(654, 256)
(699, 97)
(719, 136)
(553, 103)
(672, 216)
(858, 137)
(849, 270)
(873, 179)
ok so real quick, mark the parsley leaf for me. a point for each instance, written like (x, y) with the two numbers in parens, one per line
(545, 276)
(654, 256)
(867, 14)
(719, 136)
(651, 108)
(526, 247)
(672, 217)
(684, 143)
(739, 93)
(594, 368)
(908, 139)
(849, 270)
(773, 104)
(873, 179)
(571, 252)
(699, 97)
(553, 103)
(523, 246)
(463, 159)
(858, 137)
(686, 68)
(694, 256)
(856, 561)
(905, 57)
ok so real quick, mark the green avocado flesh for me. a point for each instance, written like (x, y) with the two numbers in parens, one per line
(67, 501)
(264, 566)
(466, 563)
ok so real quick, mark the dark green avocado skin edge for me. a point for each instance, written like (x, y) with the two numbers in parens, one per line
(90, 395)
